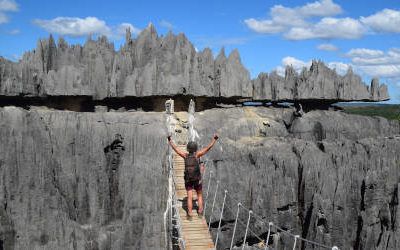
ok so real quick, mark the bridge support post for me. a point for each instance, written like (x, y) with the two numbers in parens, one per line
(247, 229)
(295, 241)
(169, 107)
(212, 209)
(208, 188)
(220, 219)
(269, 233)
(234, 227)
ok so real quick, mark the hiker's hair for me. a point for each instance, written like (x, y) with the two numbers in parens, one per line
(191, 147)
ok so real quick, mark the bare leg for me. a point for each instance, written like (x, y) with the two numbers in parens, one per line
(200, 201)
(189, 202)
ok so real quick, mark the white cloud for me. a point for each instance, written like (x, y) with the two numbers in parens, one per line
(298, 65)
(167, 25)
(264, 26)
(388, 71)
(340, 67)
(7, 6)
(366, 62)
(364, 53)
(321, 8)
(14, 32)
(74, 26)
(386, 20)
(78, 27)
(376, 63)
(327, 47)
(13, 57)
(315, 21)
(328, 28)
(122, 28)
(283, 18)
(3, 18)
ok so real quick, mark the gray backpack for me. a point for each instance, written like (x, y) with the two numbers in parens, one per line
(192, 169)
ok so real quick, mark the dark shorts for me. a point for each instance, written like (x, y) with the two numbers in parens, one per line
(196, 185)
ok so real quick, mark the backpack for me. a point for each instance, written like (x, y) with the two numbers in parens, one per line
(192, 168)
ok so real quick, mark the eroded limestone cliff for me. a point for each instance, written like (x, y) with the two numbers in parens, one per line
(74, 180)
(97, 180)
(328, 176)
(81, 180)
(153, 65)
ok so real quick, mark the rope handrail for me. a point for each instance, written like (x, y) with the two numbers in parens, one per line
(260, 219)
(280, 229)
(244, 224)
(172, 196)
(251, 214)
(178, 221)
(175, 197)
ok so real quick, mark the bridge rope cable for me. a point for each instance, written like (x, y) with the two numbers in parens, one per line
(175, 205)
(250, 213)
(257, 217)
(172, 202)
(244, 224)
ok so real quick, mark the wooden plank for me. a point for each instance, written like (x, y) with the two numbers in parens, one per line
(198, 242)
(198, 226)
(204, 233)
(200, 248)
(190, 224)
(194, 231)
(203, 244)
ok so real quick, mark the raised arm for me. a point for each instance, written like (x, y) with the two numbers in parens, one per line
(203, 151)
(175, 148)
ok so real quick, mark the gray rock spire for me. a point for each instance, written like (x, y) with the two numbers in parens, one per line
(150, 65)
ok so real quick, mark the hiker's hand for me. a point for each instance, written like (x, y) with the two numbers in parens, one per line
(216, 136)
(169, 138)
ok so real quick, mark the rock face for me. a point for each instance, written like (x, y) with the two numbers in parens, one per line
(97, 180)
(81, 180)
(331, 180)
(74, 180)
(319, 83)
(167, 66)
(147, 66)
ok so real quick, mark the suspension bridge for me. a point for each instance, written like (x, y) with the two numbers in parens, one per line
(196, 234)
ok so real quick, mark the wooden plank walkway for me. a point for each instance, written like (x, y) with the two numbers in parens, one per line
(195, 231)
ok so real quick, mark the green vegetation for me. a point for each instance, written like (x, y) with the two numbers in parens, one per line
(388, 111)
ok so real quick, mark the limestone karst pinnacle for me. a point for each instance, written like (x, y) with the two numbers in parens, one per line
(153, 65)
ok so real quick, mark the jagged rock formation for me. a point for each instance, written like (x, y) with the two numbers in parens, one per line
(147, 66)
(98, 180)
(318, 83)
(167, 66)
(332, 180)
(73, 180)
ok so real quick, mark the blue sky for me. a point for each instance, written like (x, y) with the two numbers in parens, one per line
(268, 34)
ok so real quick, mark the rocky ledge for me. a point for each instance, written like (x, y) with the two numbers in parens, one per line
(150, 65)
(73, 180)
